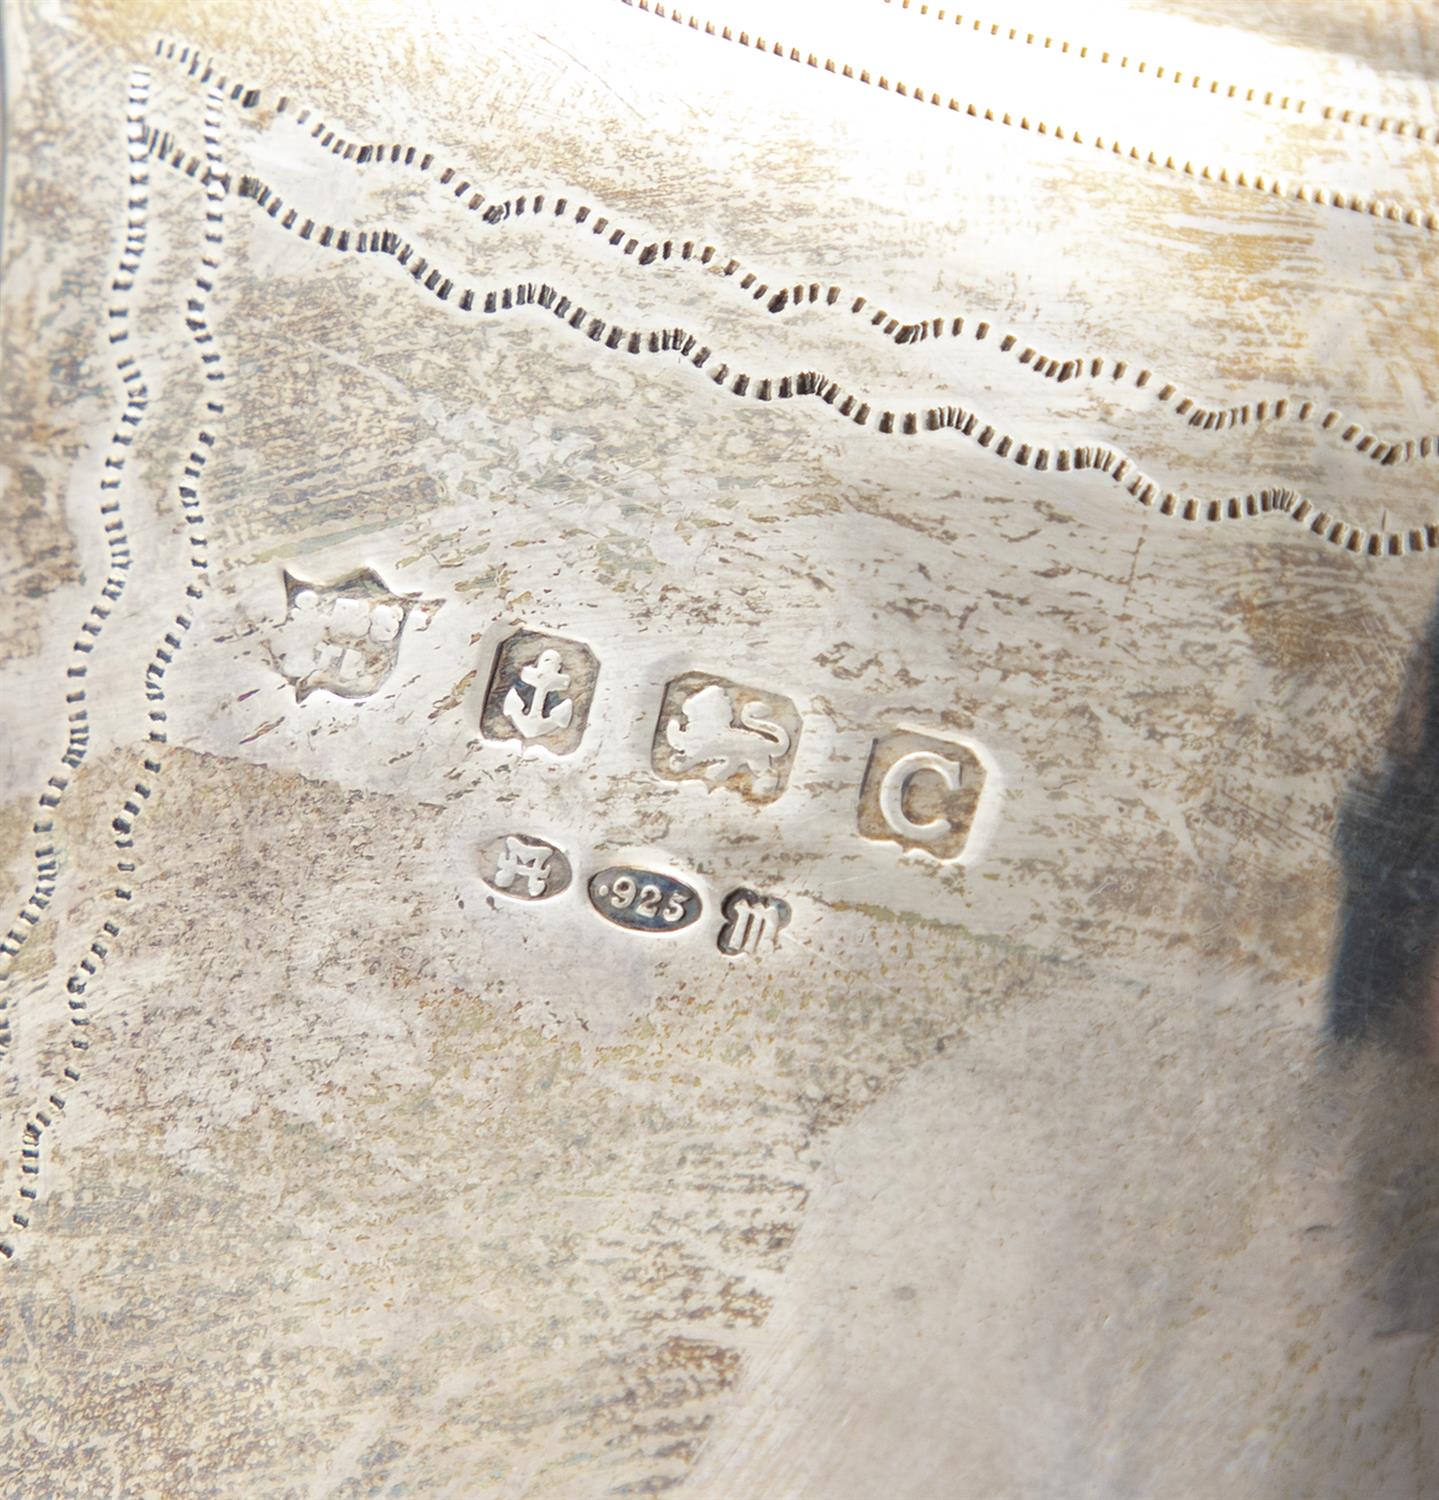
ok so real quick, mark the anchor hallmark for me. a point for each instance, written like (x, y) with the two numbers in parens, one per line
(544, 680)
(540, 691)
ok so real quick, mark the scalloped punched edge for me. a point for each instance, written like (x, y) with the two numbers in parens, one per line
(1107, 459)
(42, 1119)
(714, 262)
(1380, 449)
(135, 400)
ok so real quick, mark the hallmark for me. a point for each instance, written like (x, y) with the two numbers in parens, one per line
(921, 792)
(524, 867)
(725, 735)
(341, 637)
(752, 924)
(643, 900)
(540, 691)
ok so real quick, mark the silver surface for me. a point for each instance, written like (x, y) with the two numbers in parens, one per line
(719, 754)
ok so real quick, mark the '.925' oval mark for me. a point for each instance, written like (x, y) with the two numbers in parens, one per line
(643, 900)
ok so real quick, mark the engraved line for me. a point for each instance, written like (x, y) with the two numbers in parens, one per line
(1268, 185)
(1111, 460)
(44, 1117)
(1269, 98)
(135, 400)
(463, 189)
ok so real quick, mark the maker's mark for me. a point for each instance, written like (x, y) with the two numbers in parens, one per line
(525, 867)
